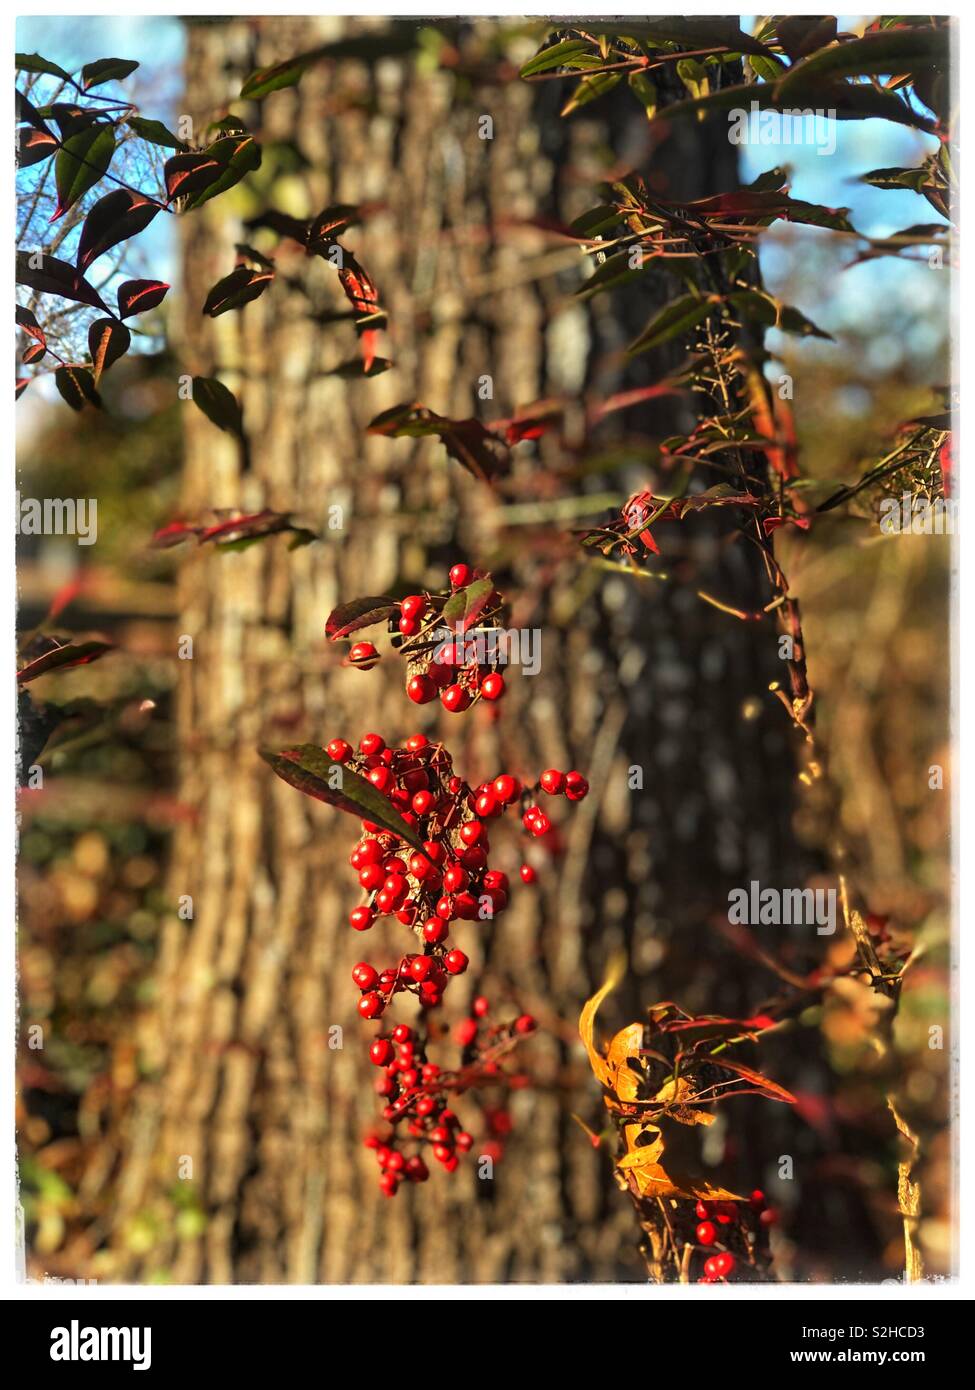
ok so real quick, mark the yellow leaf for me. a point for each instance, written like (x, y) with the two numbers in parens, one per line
(678, 1095)
(587, 1021)
(627, 1043)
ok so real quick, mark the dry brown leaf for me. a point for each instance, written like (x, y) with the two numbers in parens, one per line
(678, 1094)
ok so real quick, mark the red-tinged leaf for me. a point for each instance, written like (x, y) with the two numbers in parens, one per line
(65, 595)
(757, 1083)
(623, 400)
(748, 202)
(52, 276)
(251, 527)
(62, 656)
(467, 441)
(108, 340)
(138, 296)
(27, 111)
(232, 531)
(106, 70)
(361, 612)
(331, 223)
(219, 405)
(33, 146)
(360, 290)
(27, 322)
(721, 495)
(236, 155)
(186, 174)
(235, 290)
(81, 161)
(772, 523)
(310, 769)
(367, 345)
(465, 606)
(20, 386)
(119, 216)
(532, 422)
(77, 387)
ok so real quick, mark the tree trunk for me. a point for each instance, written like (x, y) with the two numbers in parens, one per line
(243, 1156)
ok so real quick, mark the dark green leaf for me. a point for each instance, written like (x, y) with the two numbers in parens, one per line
(236, 289)
(81, 161)
(106, 70)
(52, 276)
(34, 62)
(892, 51)
(309, 768)
(137, 296)
(677, 317)
(556, 56)
(119, 216)
(77, 386)
(155, 132)
(465, 606)
(219, 405)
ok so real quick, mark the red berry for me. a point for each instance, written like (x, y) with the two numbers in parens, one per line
(455, 962)
(769, 1216)
(365, 976)
(433, 851)
(487, 805)
(414, 606)
(703, 1209)
(474, 859)
(416, 742)
(466, 1031)
(381, 1052)
(420, 967)
(525, 1024)
(473, 832)
(541, 824)
(435, 930)
(338, 750)
(723, 1264)
(371, 877)
(551, 781)
(707, 1233)
(465, 907)
(361, 918)
(576, 786)
(422, 804)
(402, 1033)
(389, 1182)
(370, 744)
(492, 686)
(416, 1169)
(757, 1199)
(370, 852)
(363, 654)
(409, 627)
(421, 690)
(455, 699)
(494, 879)
(454, 878)
(460, 576)
(371, 1005)
(527, 873)
(480, 1006)
(507, 789)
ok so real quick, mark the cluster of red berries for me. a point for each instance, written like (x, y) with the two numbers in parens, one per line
(417, 1094)
(450, 668)
(721, 1224)
(426, 889)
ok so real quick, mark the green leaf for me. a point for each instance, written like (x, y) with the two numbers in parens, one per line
(679, 316)
(591, 89)
(892, 51)
(106, 70)
(898, 178)
(308, 768)
(155, 132)
(557, 56)
(219, 405)
(644, 91)
(81, 161)
(465, 606)
(77, 386)
(34, 62)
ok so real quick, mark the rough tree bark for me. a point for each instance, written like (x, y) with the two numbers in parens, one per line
(240, 1077)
